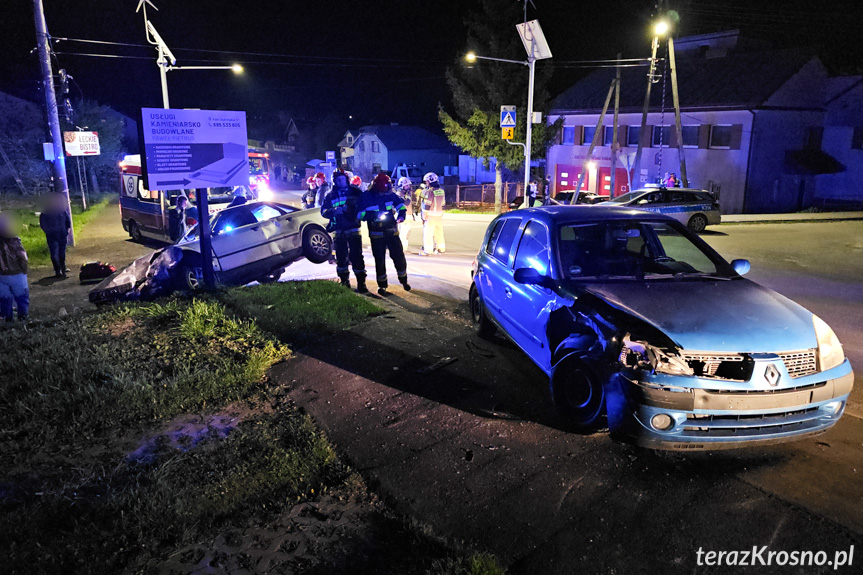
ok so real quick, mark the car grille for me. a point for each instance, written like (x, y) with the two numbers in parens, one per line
(799, 363)
(749, 425)
(738, 366)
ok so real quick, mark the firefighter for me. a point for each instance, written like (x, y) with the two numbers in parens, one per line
(405, 192)
(383, 210)
(341, 207)
(432, 216)
(311, 193)
(322, 188)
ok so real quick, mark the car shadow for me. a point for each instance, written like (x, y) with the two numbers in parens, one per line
(711, 233)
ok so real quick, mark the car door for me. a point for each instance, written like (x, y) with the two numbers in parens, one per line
(526, 307)
(494, 271)
(280, 231)
(239, 244)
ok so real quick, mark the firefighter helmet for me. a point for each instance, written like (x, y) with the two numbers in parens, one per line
(404, 180)
(356, 181)
(381, 182)
(430, 178)
(340, 173)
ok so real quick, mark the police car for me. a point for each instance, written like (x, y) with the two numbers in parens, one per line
(694, 208)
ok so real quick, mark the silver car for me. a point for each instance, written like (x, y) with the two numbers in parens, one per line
(694, 208)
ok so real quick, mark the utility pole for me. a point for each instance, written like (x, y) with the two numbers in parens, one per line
(596, 135)
(651, 79)
(676, 100)
(614, 144)
(61, 185)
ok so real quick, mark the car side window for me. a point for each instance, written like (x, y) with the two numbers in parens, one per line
(233, 219)
(265, 212)
(500, 243)
(533, 248)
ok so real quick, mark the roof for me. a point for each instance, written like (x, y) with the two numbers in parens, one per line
(407, 138)
(743, 80)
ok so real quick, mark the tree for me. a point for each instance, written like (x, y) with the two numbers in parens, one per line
(480, 91)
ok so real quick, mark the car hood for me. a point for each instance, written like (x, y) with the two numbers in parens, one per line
(714, 315)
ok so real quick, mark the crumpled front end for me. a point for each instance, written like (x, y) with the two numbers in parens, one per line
(672, 399)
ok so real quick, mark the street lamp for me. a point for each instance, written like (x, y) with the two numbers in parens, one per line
(537, 49)
(660, 29)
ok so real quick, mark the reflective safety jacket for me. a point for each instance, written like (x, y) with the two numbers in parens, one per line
(382, 212)
(433, 201)
(341, 207)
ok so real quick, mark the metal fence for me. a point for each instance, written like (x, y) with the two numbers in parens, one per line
(482, 196)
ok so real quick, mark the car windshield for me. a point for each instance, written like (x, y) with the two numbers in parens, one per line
(628, 197)
(633, 250)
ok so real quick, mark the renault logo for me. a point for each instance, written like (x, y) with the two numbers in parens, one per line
(771, 374)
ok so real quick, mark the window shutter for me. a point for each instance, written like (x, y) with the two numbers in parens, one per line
(579, 132)
(704, 136)
(736, 136)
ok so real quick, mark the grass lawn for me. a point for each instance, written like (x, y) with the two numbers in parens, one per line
(32, 235)
(92, 483)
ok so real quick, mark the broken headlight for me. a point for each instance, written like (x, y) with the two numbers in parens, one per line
(642, 355)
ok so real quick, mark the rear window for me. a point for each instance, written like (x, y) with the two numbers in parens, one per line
(500, 242)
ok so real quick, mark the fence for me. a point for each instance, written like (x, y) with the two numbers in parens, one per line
(481, 197)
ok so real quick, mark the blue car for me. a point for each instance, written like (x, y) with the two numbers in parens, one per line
(641, 326)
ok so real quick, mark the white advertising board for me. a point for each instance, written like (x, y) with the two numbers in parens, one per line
(81, 143)
(186, 149)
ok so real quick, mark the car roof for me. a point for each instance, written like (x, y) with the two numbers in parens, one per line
(663, 189)
(555, 215)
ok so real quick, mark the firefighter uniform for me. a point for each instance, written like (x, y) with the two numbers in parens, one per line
(432, 216)
(341, 207)
(383, 210)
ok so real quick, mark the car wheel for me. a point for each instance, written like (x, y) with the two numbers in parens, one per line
(697, 223)
(578, 393)
(135, 231)
(191, 274)
(317, 245)
(271, 278)
(483, 326)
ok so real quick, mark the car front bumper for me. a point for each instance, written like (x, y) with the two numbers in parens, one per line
(683, 413)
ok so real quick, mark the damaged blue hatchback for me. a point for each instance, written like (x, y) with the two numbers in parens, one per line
(638, 322)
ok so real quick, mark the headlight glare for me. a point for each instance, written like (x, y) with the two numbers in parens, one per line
(830, 352)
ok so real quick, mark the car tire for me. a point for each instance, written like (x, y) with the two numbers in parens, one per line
(271, 278)
(697, 223)
(191, 274)
(317, 245)
(135, 231)
(483, 326)
(578, 393)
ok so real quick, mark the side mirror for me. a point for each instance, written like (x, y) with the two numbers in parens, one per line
(741, 266)
(530, 276)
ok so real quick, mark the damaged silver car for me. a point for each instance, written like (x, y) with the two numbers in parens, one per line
(639, 324)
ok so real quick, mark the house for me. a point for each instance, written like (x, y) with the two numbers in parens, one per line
(766, 130)
(381, 148)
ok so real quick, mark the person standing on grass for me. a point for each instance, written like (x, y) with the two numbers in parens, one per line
(56, 223)
(13, 272)
(383, 210)
(177, 219)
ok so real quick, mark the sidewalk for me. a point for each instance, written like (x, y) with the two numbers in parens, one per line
(103, 239)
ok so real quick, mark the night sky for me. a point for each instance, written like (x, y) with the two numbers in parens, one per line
(377, 61)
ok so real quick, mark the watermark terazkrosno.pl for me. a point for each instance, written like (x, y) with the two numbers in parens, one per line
(762, 556)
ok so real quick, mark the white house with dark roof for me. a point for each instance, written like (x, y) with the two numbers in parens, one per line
(766, 130)
(380, 148)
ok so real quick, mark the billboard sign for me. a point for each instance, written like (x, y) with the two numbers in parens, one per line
(81, 143)
(186, 149)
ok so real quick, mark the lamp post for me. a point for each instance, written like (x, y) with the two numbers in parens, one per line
(660, 29)
(537, 49)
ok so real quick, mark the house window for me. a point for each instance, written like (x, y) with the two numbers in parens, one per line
(608, 136)
(587, 135)
(568, 135)
(661, 136)
(690, 136)
(857, 139)
(376, 146)
(632, 133)
(814, 136)
(350, 139)
(720, 137)
(362, 146)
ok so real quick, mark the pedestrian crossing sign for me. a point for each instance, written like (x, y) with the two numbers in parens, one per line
(507, 116)
(507, 133)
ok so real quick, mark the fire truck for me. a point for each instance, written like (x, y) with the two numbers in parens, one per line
(259, 174)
